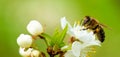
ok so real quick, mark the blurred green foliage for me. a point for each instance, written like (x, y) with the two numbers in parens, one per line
(15, 15)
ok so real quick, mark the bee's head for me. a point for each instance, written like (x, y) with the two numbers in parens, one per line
(86, 21)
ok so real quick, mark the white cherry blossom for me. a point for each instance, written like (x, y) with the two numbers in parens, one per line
(87, 39)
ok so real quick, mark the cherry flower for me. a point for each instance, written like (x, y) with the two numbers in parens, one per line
(86, 39)
(77, 31)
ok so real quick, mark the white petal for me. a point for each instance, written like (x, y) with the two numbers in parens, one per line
(81, 35)
(69, 53)
(24, 40)
(76, 48)
(85, 36)
(25, 53)
(92, 43)
(34, 27)
(64, 22)
(64, 47)
(87, 49)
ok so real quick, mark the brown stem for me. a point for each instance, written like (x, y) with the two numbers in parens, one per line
(51, 52)
(62, 54)
(52, 55)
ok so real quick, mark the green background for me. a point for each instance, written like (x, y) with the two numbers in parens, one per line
(16, 14)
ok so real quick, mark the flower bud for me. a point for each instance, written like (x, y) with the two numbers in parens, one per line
(25, 52)
(34, 28)
(24, 41)
(35, 53)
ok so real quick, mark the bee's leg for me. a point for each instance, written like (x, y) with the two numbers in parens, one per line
(85, 29)
(96, 29)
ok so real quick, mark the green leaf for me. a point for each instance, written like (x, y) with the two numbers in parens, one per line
(58, 37)
(61, 44)
(56, 32)
(54, 37)
(62, 35)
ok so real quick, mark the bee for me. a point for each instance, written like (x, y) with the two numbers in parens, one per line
(95, 26)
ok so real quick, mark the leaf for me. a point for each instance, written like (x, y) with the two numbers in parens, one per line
(56, 32)
(54, 37)
(61, 44)
(62, 35)
(58, 37)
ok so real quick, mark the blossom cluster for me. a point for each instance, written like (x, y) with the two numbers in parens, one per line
(81, 42)
(26, 41)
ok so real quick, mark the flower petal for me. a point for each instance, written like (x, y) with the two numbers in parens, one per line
(93, 43)
(85, 36)
(69, 53)
(35, 53)
(76, 48)
(25, 53)
(64, 22)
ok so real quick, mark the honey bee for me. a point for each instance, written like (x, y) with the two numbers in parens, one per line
(95, 26)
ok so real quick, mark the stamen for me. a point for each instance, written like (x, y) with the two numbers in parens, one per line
(78, 22)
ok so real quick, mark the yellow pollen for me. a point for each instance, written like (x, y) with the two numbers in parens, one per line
(88, 55)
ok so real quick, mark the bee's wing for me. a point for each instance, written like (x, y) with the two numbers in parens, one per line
(105, 26)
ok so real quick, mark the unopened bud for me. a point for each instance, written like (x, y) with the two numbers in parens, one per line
(24, 41)
(34, 28)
